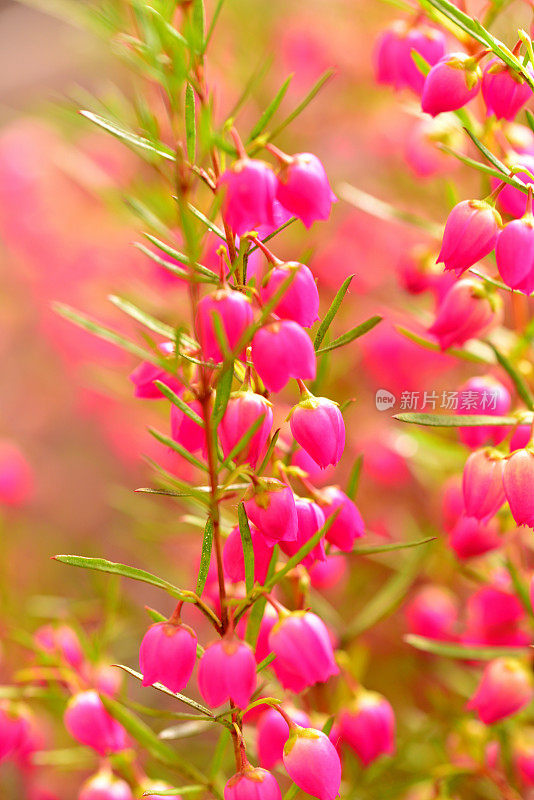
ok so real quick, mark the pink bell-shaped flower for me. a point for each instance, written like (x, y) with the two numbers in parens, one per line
(348, 525)
(433, 613)
(483, 484)
(505, 687)
(302, 645)
(312, 762)
(186, 431)
(489, 396)
(104, 786)
(518, 478)
(300, 302)
(368, 727)
(62, 641)
(471, 538)
(494, 615)
(168, 655)
(252, 783)
(146, 373)
(250, 190)
(504, 90)
(273, 733)
(242, 411)
(87, 720)
(511, 200)
(450, 84)
(317, 425)
(282, 350)
(271, 507)
(16, 476)
(227, 671)
(328, 573)
(303, 188)
(234, 560)
(515, 253)
(470, 234)
(12, 730)
(452, 504)
(394, 64)
(468, 310)
(310, 519)
(235, 315)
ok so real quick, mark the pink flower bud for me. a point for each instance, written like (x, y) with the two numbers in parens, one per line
(317, 425)
(272, 509)
(466, 311)
(493, 617)
(394, 64)
(234, 560)
(235, 315)
(511, 200)
(452, 502)
(273, 733)
(242, 411)
(61, 641)
(369, 727)
(227, 671)
(253, 783)
(518, 477)
(146, 373)
(486, 396)
(12, 731)
(504, 90)
(103, 786)
(87, 720)
(450, 84)
(186, 431)
(471, 538)
(300, 302)
(16, 477)
(470, 234)
(310, 519)
(280, 351)
(348, 524)
(329, 573)
(168, 655)
(250, 193)
(303, 189)
(515, 254)
(483, 484)
(433, 613)
(302, 645)
(505, 687)
(312, 762)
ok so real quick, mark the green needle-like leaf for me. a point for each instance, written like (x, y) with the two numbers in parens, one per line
(332, 311)
(248, 550)
(205, 557)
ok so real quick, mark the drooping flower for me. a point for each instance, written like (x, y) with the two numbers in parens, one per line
(451, 83)
(303, 188)
(273, 733)
(518, 478)
(227, 671)
(515, 254)
(234, 311)
(394, 64)
(146, 373)
(243, 410)
(300, 301)
(303, 646)
(348, 524)
(433, 613)
(250, 190)
(310, 519)
(471, 537)
(504, 90)
(168, 654)
(470, 234)
(62, 641)
(368, 727)
(317, 425)
(89, 723)
(252, 783)
(234, 559)
(282, 350)
(104, 786)
(468, 310)
(487, 396)
(505, 688)
(312, 762)
(483, 484)
(188, 430)
(271, 507)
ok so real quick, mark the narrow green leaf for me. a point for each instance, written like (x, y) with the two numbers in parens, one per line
(177, 695)
(530, 119)
(385, 211)
(128, 137)
(222, 395)
(467, 652)
(207, 222)
(371, 550)
(269, 452)
(351, 335)
(207, 274)
(478, 165)
(270, 110)
(205, 557)
(455, 420)
(354, 478)
(190, 123)
(179, 403)
(155, 616)
(421, 63)
(179, 791)
(332, 311)
(215, 17)
(519, 382)
(199, 16)
(243, 441)
(102, 332)
(114, 568)
(248, 550)
(166, 440)
(254, 621)
(265, 663)
(329, 724)
(314, 91)
(142, 317)
(185, 730)
(465, 355)
(487, 153)
(292, 792)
